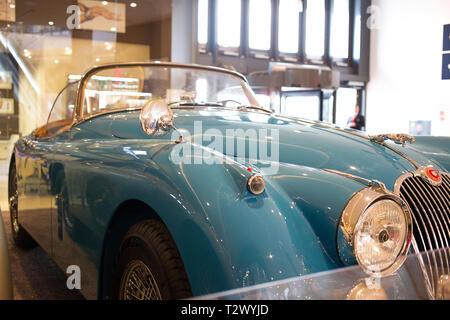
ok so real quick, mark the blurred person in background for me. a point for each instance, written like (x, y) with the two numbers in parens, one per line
(357, 121)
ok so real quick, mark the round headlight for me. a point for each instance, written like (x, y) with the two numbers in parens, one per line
(379, 238)
(378, 225)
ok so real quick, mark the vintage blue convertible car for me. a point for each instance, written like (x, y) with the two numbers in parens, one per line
(163, 181)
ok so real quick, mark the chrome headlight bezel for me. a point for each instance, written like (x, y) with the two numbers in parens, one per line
(355, 210)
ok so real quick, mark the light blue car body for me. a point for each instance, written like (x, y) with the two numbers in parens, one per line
(227, 237)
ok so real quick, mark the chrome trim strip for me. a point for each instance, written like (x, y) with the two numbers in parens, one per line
(369, 183)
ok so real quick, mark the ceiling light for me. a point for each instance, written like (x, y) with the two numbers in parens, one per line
(133, 5)
(105, 3)
(56, 61)
(97, 60)
(114, 29)
(12, 5)
(51, 23)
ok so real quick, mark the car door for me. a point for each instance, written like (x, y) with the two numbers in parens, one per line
(33, 186)
(39, 194)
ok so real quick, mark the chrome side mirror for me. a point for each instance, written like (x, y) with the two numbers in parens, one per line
(156, 119)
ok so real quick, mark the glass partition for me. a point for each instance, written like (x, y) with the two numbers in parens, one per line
(408, 283)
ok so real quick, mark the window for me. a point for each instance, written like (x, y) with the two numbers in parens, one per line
(346, 100)
(288, 28)
(357, 41)
(260, 20)
(328, 104)
(264, 100)
(302, 106)
(340, 20)
(202, 31)
(229, 23)
(315, 29)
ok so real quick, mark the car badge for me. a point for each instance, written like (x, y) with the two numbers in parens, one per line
(433, 177)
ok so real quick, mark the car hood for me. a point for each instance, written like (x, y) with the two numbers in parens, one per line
(299, 142)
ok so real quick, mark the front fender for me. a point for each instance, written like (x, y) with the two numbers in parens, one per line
(231, 238)
(321, 197)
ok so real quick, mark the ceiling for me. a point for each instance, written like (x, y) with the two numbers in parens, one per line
(40, 12)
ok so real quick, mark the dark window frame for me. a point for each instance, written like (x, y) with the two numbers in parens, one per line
(253, 59)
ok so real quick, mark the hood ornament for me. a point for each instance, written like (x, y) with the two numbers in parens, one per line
(399, 138)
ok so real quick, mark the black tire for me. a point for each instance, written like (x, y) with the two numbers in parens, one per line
(149, 248)
(21, 237)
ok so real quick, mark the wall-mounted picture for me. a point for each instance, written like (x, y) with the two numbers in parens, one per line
(6, 106)
(5, 80)
(447, 37)
(446, 66)
(102, 15)
(8, 10)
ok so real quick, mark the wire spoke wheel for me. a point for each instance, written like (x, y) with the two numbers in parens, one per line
(20, 236)
(13, 199)
(13, 210)
(138, 283)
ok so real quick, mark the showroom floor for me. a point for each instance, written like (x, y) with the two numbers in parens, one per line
(34, 274)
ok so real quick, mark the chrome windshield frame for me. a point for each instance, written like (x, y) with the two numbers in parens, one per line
(78, 116)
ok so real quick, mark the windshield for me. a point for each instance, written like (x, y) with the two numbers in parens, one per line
(180, 87)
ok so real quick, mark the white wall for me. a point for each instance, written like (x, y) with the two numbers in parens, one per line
(406, 66)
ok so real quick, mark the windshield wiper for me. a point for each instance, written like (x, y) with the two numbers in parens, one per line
(214, 104)
(254, 108)
(194, 104)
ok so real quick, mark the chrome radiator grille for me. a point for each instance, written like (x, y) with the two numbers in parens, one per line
(430, 209)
